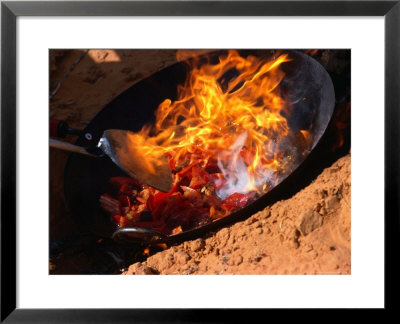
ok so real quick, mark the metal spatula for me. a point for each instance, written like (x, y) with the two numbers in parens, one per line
(124, 151)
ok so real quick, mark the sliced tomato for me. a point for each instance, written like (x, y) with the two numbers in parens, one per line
(199, 172)
(162, 195)
(197, 183)
(236, 200)
(199, 178)
(155, 199)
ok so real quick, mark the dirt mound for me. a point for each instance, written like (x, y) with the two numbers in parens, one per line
(306, 234)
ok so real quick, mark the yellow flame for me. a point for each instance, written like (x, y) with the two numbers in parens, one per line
(213, 112)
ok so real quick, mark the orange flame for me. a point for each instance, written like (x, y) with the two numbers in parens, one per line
(231, 113)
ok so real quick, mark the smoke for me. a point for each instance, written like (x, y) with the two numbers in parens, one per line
(237, 176)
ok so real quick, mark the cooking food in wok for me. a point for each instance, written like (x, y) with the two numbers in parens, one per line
(237, 125)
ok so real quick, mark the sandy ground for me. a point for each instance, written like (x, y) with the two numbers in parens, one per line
(308, 233)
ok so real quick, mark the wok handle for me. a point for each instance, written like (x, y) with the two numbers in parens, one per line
(72, 148)
(59, 128)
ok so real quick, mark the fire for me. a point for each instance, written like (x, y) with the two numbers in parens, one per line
(232, 114)
(237, 127)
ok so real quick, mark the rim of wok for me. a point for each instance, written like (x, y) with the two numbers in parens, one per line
(106, 227)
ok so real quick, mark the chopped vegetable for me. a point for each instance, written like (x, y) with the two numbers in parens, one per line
(235, 201)
(192, 201)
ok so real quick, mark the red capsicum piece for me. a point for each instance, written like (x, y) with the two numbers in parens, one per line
(236, 200)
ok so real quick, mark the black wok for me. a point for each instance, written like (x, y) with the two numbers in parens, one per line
(85, 179)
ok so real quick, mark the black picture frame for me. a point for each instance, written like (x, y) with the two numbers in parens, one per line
(10, 10)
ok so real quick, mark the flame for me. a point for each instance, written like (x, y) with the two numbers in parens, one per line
(150, 249)
(177, 230)
(232, 113)
(162, 246)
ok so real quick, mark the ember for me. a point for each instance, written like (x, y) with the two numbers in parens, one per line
(227, 138)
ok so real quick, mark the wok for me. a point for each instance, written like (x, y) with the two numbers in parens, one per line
(86, 179)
